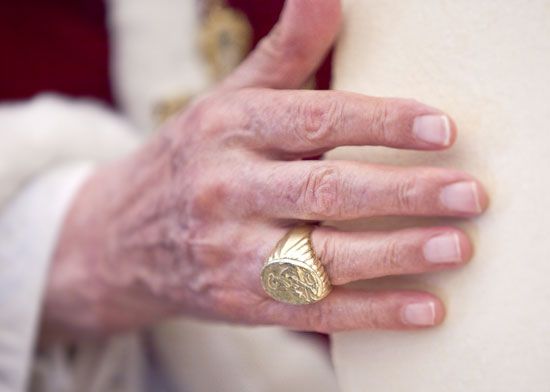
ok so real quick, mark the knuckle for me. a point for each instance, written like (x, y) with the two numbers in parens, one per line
(321, 191)
(320, 119)
(392, 119)
(208, 194)
(407, 194)
(273, 46)
(280, 45)
(210, 115)
(327, 253)
(381, 119)
(253, 118)
(335, 257)
(376, 317)
(391, 256)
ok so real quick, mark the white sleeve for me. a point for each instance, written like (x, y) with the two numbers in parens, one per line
(50, 130)
(155, 54)
(29, 225)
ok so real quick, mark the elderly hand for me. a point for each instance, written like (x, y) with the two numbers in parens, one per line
(183, 227)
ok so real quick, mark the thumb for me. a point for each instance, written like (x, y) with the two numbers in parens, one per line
(293, 49)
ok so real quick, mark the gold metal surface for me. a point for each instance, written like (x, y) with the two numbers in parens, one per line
(224, 40)
(293, 274)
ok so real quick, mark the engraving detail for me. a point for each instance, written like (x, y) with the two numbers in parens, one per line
(293, 274)
(291, 283)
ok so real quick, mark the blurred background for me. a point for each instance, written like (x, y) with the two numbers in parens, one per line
(64, 46)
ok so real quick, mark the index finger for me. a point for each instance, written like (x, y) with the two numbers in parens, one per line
(306, 123)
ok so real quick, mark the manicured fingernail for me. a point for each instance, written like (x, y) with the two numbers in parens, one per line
(462, 197)
(443, 249)
(419, 314)
(433, 129)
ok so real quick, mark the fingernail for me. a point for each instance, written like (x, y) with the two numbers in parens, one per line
(419, 314)
(433, 129)
(461, 196)
(443, 249)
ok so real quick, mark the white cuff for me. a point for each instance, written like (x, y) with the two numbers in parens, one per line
(29, 226)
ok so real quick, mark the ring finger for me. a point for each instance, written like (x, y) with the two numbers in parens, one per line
(352, 256)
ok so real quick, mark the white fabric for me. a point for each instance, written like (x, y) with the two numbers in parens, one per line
(202, 356)
(487, 64)
(155, 54)
(28, 229)
(48, 130)
(117, 364)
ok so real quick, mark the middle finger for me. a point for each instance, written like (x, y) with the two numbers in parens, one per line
(341, 190)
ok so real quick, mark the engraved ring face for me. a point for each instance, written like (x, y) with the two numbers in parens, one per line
(293, 274)
(292, 282)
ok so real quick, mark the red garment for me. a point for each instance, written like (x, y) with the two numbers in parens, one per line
(62, 46)
(53, 45)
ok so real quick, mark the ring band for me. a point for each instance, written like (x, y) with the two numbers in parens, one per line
(293, 273)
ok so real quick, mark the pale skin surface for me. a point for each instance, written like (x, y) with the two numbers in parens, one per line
(183, 226)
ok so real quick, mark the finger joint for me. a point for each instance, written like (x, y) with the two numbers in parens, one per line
(407, 195)
(320, 119)
(321, 191)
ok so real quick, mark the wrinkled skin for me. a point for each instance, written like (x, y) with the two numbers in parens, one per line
(184, 225)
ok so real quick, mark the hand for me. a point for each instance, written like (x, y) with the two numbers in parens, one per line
(184, 226)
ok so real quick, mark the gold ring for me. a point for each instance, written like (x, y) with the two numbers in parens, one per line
(293, 273)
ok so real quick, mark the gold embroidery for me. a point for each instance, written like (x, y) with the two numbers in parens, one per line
(224, 40)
